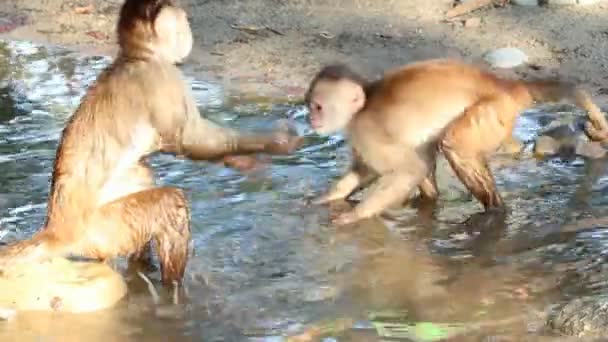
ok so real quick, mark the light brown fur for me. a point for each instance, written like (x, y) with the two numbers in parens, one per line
(103, 200)
(396, 126)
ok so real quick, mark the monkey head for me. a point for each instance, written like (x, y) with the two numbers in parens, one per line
(335, 95)
(149, 29)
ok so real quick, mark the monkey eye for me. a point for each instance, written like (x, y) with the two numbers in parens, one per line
(317, 106)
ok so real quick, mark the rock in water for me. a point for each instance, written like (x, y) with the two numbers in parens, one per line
(506, 57)
(61, 285)
(582, 317)
(545, 146)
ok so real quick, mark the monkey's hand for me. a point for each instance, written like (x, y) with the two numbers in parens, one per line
(596, 130)
(283, 143)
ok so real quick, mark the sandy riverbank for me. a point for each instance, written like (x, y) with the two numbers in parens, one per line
(274, 46)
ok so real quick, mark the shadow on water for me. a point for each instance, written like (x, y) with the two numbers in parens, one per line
(266, 265)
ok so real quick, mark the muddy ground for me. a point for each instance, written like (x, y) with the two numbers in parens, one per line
(273, 47)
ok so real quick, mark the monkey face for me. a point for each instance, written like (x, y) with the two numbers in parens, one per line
(174, 34)
(332, 104)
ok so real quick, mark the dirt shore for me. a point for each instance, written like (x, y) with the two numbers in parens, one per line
(272, 47)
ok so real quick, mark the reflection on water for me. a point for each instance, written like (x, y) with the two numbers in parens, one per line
(267, 265)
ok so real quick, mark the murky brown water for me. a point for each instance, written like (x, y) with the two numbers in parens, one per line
(268, 266)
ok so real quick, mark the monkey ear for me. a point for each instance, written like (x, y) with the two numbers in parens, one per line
(165, 24)
(359, 99)
(174, 34)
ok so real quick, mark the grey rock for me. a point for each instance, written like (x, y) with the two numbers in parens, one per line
(590, 149)
(582, 317)
(546, 146)
(525, 2)
(506, 57)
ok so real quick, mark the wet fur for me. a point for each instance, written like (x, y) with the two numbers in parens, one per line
(103, 199)
(425, 107)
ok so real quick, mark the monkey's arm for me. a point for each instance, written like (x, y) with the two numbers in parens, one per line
(358, 176)
(200, 139)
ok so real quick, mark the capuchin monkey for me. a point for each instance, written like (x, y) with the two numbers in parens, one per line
(397, 124)
(103, 200)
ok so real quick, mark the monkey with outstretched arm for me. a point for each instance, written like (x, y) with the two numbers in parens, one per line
(397, 124)
(103, 200)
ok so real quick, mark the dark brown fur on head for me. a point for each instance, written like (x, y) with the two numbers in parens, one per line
(135, 24)
(336, 72)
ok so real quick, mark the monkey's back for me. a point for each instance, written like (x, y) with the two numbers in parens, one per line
(413, 104)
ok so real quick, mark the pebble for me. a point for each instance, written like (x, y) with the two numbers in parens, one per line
(507, 57)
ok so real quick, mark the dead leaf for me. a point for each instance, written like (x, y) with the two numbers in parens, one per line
(84, 9)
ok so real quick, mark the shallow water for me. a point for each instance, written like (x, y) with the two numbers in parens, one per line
(266, 265)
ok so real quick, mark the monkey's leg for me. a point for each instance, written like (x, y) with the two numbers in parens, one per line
(480, 131)
(125, 226)
(342, 188)
(389, 189)
(428, 188)
(142, 259)
(359, 176)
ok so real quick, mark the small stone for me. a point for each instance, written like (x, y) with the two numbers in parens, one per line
(506, 57)
(472, 22)
(525, 2)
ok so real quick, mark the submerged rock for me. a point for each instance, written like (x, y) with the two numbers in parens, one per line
(582, 317)
(507, 57)
(567, 140)
(546, 146)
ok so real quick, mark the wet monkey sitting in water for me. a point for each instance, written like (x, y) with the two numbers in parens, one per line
(397, 124)
(103, 201)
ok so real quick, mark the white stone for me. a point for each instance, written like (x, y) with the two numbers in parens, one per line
(506, 57)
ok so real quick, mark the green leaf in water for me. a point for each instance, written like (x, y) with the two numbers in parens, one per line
(422, 331)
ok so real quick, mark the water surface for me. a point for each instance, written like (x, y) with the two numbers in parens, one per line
(266, 265)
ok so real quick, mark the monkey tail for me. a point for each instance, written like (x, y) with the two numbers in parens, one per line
(39, 247)
(596, 128)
